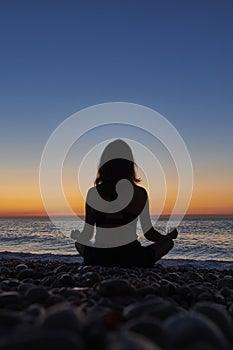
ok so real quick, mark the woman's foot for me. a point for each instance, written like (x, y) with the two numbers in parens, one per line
(173, 234)
(161, 248)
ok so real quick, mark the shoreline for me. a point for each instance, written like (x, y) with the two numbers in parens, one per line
(75, 258)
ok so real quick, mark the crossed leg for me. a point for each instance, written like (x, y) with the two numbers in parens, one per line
(80, 248)
(161, 248)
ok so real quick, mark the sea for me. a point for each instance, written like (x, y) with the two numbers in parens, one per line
(205, 241)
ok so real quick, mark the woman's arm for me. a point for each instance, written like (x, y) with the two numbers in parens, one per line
(149, 231)
(147, 228)
(88, 229)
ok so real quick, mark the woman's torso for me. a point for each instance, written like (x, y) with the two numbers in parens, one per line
(119, 227)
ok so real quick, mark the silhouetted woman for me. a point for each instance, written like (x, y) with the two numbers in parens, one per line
(114, 205)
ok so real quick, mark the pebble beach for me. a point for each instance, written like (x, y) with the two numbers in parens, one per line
(59, 305)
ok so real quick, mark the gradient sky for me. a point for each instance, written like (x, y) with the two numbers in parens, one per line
(58, 57)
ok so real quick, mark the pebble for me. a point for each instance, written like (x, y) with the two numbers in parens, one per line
(12, 282)
(146, 290)
(67, 279)
(93, 276)
(187, 329)
(9, 319)
(86, 279)
(61, 317)
(26, 273)
(226, 292)
(43, 339)
(157, 307)
(219, 315)
(148, 327)
(60, 268)
(227, 281)
(37, 294)
(74, 293)
(113, 287)
(24, 287)
(205, 296)
(9, 298)
(130, 341)
(36, 312)
(166, 289)
(20, 267)
(54, 299)
(211, 277)
(48, 281)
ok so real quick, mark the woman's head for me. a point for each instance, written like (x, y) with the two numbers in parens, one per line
(116, 163)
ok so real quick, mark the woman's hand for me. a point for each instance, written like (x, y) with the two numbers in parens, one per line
(75, 234)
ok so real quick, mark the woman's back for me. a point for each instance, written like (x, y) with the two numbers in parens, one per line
(122, 222)
(136, 201)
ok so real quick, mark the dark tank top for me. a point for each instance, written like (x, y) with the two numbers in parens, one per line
(114, 219)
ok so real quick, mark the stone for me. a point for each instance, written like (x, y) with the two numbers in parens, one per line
(75, 293)
(185, 329)
(183, 290)
(37, 294)
(205, 296)
(24, 287)
(145, 291)
(93, 276)
(157, 307)
(12, 282)
(54, 299)
(219, 298)
(166, 289)
(227, 292)
(20, 267)
(193, 276)
(9, 298)
(43, 339)
(61, 317)
(112, 287)
(35, 311)
(219, 315)
(48, 281)
(67, 279)
(148, 327)
(226, 281)
(9, 319)
(128, 341)
(211, 277)
(60, 268)
(26, 273)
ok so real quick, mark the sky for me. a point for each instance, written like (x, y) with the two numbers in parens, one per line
(58, 57)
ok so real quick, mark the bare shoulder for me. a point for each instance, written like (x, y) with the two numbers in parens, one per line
(90, 190)
(91, 193)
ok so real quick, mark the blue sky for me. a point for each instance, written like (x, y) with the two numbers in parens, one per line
(173, 56)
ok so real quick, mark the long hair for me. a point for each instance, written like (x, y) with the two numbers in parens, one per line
(116, 163)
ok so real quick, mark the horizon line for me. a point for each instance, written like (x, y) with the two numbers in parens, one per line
(82, 216)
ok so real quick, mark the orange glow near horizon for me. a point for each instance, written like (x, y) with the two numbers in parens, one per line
(20, 195)
(28, 202)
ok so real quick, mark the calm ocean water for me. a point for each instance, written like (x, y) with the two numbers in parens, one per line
(204, 238)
